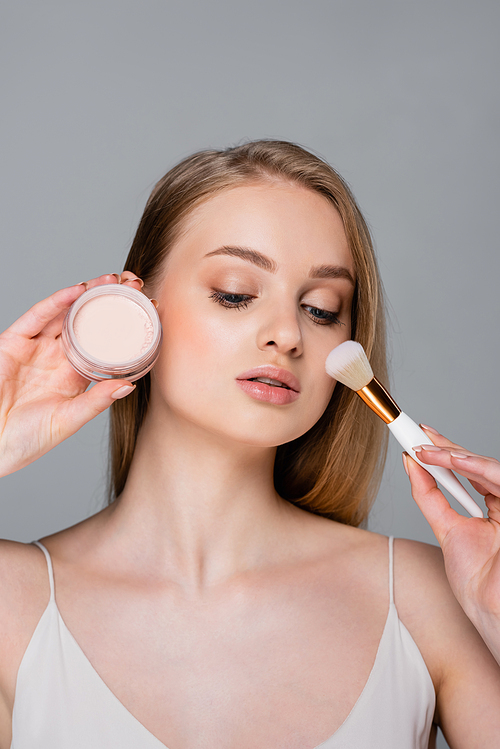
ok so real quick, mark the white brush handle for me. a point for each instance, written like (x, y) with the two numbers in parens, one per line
(409, 435)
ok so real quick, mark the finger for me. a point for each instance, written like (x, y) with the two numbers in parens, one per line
(127, 277)
(80, 410)
(430, 500)
(493, 505)
(53, 328)
(479, 487)
(130, 279)
(104, 279)
(41, 314)
(483, 470)
(438, 439)
(433, 454)
(486, 471)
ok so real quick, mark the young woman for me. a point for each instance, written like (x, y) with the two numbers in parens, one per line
(226, 597)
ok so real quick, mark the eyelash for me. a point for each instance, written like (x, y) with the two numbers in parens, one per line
(224, 299)
(221, 297)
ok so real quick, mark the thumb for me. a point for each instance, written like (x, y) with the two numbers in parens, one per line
(80, 410)
(430, 500)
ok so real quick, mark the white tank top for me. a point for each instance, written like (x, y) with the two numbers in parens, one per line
(62, 703)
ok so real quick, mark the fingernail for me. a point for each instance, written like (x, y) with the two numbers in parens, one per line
(429, 448)
(138, 280)
(405, 464)
(459, 455)
(122, 392)
(154, 302)
(429, 429)
(83, 283)
(117, 276)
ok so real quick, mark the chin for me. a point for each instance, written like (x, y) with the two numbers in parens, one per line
(235, 419)
(266, 433)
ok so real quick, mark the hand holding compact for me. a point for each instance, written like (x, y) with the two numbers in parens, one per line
(42, 399)
(471, 546)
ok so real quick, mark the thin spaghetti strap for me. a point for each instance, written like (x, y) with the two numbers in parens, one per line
(50, 569)
(391, 569)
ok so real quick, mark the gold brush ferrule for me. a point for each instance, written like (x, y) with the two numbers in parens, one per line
(378, 399)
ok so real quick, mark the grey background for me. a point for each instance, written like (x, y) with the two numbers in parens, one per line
(100, 98)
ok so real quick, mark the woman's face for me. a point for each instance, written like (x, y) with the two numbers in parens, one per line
(259, 284)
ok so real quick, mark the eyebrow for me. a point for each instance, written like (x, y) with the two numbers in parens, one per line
(331, 271)
(257, 258)
(252, 256)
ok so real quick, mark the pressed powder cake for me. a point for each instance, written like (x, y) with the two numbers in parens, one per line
(112, 331)
(113, 328)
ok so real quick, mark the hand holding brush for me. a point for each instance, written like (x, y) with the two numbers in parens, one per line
(471, 547)
(349, 364)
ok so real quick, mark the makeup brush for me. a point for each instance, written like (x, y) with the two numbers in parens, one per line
(349, 365)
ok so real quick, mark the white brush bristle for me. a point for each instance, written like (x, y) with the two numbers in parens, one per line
(349, 365)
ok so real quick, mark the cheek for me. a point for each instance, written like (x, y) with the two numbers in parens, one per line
(197, 346)
(321, 385)
(324, 392)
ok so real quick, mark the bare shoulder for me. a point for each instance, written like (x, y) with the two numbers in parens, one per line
(347, 557)
(423, 597)
(450, 645)
(330, 535)
(421, 589)
(24, 594)
(23, 579)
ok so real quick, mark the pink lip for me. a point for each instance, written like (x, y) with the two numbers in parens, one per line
(270, 393)
(273, 373)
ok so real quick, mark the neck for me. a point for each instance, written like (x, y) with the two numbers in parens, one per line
(200, 507)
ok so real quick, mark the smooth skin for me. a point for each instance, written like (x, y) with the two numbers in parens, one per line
(244, 620)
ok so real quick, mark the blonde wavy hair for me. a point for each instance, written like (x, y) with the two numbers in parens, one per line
(335, 468)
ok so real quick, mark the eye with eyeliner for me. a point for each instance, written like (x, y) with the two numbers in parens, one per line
(241, 301)
(231, 301)
(322, 316)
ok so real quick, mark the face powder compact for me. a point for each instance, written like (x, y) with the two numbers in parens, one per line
(112, 332)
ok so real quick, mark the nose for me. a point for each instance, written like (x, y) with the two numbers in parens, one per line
(281, 330)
